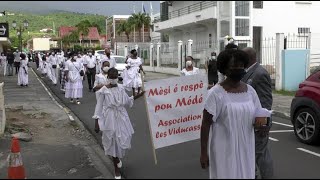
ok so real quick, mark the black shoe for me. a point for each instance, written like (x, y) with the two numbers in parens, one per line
(21, 85)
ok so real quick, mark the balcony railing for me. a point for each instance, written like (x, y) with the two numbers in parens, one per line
(186, 10)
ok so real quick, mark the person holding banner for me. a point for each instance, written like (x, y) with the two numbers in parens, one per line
(113, 119)
(229, 121)
(189, 69)
(131, 76)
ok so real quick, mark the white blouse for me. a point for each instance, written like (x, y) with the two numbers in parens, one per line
(195, 70)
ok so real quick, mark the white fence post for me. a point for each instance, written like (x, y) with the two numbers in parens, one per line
(158, 54)
(190, 41)
(2, 111)
(151, 55)
(279, 49)
(125, 51)
(180, 54)
(308, 56)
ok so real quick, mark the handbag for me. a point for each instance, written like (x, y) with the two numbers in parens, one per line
(81, 72)
(54, 66)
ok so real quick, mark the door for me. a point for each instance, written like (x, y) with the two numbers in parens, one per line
(257, 38)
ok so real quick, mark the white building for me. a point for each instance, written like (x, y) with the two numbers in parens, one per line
(248, 22)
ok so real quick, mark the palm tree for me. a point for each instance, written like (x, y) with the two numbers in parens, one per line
(125, 27)
(139, 20)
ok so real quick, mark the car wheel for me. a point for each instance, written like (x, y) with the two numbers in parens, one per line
(307, 126)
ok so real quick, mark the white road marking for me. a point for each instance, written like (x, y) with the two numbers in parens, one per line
(310, 152)
(273, 139)
(288, 125)
(280, 131)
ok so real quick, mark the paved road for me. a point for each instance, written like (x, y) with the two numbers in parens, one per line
(182, 161)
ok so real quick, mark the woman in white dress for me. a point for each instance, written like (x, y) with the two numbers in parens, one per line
(189, 70)
(113, 120)
(23, 71)
(100, 81)
(131, 77)
(73, 78)
(228, 122)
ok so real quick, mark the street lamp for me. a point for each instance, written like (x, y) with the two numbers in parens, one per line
(20, 30)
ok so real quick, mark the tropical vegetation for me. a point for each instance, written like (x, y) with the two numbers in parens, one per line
(135, 21)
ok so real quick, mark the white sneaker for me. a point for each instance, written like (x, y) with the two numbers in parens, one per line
(117, 177)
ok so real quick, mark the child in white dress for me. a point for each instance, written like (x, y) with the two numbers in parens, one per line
(113, 119)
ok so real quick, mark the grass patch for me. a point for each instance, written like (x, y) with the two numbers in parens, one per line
(285, 93)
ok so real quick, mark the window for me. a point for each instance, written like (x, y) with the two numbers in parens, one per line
(242, 8)
(303, 31)
(225, 28)
(242, 27)
(258, 4)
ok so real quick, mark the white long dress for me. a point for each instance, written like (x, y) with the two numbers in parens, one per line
(74, 85)
(23, 77)
(100, 79)
(132, 77)
(194, 71)
(231, 141)
(114, 121)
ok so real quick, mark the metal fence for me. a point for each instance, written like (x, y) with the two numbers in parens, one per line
(168, 55)
(201, 51)
(267, 55)
(297, 41)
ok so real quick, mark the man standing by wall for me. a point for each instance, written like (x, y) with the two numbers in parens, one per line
(260, 80)
(10, 62)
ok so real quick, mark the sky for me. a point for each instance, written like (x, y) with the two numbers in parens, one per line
(92, 7)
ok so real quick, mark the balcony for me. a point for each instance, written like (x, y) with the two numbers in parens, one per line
(203, 10)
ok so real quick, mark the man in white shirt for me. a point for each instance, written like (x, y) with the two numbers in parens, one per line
(90, 65)
(53, 61)
(107, 57)
(17, 60)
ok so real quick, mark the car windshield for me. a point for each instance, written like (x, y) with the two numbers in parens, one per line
(120, 59)
(100, 52)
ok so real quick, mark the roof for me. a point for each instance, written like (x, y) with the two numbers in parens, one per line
(92, 35)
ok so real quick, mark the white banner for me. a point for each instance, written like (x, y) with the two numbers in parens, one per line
(175, 108)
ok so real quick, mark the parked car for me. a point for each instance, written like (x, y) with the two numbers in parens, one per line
(121, 64)
(99, 53)
(305, 110)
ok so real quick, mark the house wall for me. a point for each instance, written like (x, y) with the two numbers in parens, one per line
(286, 17)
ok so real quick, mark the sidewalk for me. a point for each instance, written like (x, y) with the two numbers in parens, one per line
(60, 148)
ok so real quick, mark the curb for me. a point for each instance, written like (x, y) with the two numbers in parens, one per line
(96, 152)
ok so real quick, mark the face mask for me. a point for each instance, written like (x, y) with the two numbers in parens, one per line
(74, 57)
(236, 74)
(105, 69)
(90, 54)
(113, 81)
(189, 63)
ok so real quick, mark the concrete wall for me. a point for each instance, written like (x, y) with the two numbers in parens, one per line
(294, 64)
(286, 17)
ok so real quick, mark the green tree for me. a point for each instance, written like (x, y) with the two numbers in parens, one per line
(125, 27)
(139, 20)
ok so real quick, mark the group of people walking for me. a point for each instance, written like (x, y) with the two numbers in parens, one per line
(236, 117)
(20, 61)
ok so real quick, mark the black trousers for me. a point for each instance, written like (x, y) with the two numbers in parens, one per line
(37, 63)
(91, 75)
(17, 66)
